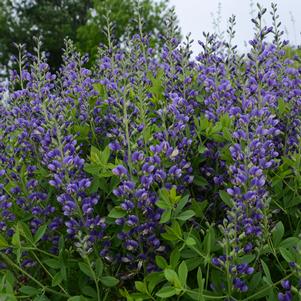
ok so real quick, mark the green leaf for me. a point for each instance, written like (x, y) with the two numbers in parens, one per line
(277, 233)
(161, 262)
(41, 298)
(85, 269)
(64, 271)
(92, 169)
(181, 204)
(169, 235)
(77, 298)
(98, 267)
(109, 281)
(61, 244)
(200, 279)
(165, 217)
(199, 207)
(163, 204)
(172, 277)
(105, 155)
(190, 242)
(40, 233)
(289, 242)
(82, 130)
(89, 291)
(286, 254)
(156, 89)
(246, 258)
(209, 240)
(154, 279)
(266, 272)
(166, 292)
(101, 89)
(25, 231)
(200, 181)
(140, 286)
(186, 215)
(16, 237)
(117, 212)
(29, 290)
(176, 228)
(196, 295)
(175, 257)
(183, 272)
(8, 297)
(95, 155)
(57, 279)
(283, 107)
(255, 280)
(194, 262)
(226, 198)
(173, 194)
(3, 242)
(53, 263)
(202, 149)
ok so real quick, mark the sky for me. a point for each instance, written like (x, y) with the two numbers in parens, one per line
(195, 16)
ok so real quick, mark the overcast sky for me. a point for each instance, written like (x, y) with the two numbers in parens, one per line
(195, 16)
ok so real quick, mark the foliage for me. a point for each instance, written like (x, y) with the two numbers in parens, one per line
(81, 21)
(153, 176)
(122, 15)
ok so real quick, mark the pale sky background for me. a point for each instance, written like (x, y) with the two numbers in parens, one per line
(195, 16)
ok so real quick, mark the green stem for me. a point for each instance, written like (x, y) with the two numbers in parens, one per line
(268, 287)
(94, 278)
(206, 296)
(44, 288)
(45, 269)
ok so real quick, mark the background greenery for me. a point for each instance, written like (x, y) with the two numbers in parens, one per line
(80, 20)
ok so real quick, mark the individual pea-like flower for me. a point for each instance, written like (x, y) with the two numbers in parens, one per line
(119, 170)
(240, 285)
(287, 296)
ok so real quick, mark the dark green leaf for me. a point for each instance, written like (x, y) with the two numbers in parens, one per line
(161, 262)
(266, 272)
(109, 281)
(166, 292)
(89, 291)
(57, 279)
(226, 198)
(140, 286)
(165, 217)
(40, 233)
(77, 298)
(85, 269)
(186, 215)
(98, 267)
(3, 242)
(199, 207)
(53, 263)
(117, 212)
(289, 242)
(277, 233)
(183, 273)
(175, 257)
(286, 254)
(29, 290)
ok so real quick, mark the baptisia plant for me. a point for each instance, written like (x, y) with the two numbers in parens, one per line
(153, 174)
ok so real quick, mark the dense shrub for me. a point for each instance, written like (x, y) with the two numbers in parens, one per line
(153, 175)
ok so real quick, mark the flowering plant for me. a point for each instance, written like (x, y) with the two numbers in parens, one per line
(153, 175)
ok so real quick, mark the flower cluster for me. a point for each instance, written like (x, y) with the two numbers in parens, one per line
(151, 161)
